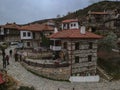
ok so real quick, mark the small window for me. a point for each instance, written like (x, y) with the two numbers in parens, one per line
(90, 45)
(74, 24)
(57, 43)
(24, 34)
(28, 44)
(64, 25)
(76, 59)
(29, 34)
(65, 45)
(71, 25)
(89, 58)
(51, 42)
(50, 33)
(33, 35)
(77, 46)
(8, 31)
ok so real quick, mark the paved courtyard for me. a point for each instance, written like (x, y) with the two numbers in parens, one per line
(24, 77)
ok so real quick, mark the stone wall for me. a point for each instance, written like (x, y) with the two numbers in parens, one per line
(33, 43)
(12, 38)
(62, 73)
(84, 67)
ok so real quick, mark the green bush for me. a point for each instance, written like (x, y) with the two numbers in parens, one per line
(112, 68)
(108, 42)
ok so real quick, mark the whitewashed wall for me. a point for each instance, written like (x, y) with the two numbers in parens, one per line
(84, 78)
(26, 37)
(74, 27)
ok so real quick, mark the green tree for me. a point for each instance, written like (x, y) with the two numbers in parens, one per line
(45, 40)
(109, 42)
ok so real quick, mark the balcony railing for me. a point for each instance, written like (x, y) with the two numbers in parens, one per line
(55, 48)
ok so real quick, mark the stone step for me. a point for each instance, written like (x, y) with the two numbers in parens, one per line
(105, 74)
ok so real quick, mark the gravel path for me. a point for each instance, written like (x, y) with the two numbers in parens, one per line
(24, 77)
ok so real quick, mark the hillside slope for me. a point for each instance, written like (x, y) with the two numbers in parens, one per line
(99, 6)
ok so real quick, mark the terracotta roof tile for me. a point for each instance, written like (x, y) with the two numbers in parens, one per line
(37, 27)
(70, 20)
(11, 26)
(74, 33)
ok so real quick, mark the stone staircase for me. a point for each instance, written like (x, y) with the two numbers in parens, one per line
(104, 74)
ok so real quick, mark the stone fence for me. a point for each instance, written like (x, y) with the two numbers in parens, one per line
(59, 73)
(46, 64)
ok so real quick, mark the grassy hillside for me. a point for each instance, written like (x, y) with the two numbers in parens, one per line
(99, 6)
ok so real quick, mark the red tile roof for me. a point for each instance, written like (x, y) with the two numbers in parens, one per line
(102, 13)
(70, 20)
(74, 34)
(11, 26)
(37, 27)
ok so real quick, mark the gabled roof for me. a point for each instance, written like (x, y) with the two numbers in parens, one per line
(70, 20)
(100, 13)
(37, 27)
(11, 26)
(74, 34)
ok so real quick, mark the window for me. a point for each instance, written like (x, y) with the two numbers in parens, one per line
(2, 31)
(57, 43)
(24, 34)
(64, 25)
(33, 35)
(77, 46)
(29, 34)
(76, 59)
(71, 25)
(28, 44)
(90, 45)
(51, 42)
(74, 24)
(50, 33)
(65, 45)
(89, 58)
(8, 31)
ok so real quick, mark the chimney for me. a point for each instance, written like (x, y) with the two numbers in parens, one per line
(82, 30)
(55, 30)
(90, 29)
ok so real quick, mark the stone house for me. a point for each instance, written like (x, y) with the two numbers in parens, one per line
(70, 24)
(104, 21)
(77, 47)
(113, 23)
(30, 35)
(10, 32)
(98, 17)
(96, 20)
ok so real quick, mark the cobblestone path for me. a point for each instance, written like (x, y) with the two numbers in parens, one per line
(24, 77)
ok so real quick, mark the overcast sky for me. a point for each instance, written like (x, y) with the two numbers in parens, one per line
(25, 11)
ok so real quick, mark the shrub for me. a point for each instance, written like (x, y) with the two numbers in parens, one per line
(108, 42)
(112, 68)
